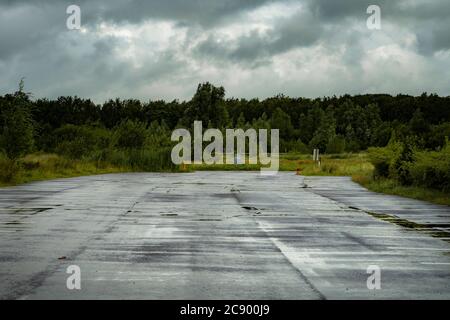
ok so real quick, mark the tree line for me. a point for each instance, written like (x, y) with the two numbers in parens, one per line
(77, 127)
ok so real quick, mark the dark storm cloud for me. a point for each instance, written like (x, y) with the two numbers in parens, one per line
(204, 12)
(300, 30)
(326, 21)
(435, 36)
(23, 27)
(338, 9)
(36, 44)
(406, 9)
(429, 20)
(157, 48)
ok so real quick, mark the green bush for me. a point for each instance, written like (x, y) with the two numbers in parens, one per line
(137, 159)
(297, 146)
(382, 158)
(9, 169)
(49, 162)
(130, 135)
(352, 146)
(17, 135)
(74, 149)
(76, 142)
(432, 169)
(408, 166)
(401, 164)
(336, 145)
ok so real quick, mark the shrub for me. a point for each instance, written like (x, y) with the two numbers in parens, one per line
(130, 135)
(76, 142)
(47, 162)
(74, 149)
(381, 158)
(297, 146)
(138, 159)
(432, 169)
(401, 163)
(9, 169)
(407, 165)
(17, 136)
(352, 146)
(336, 145)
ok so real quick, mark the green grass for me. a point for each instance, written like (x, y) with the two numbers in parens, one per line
(390, 186)
(355, 165)
(36, 167)
(334, 165)
(42, 166)
(331, 165)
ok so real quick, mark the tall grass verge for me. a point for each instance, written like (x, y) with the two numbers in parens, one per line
(393, 187)
(44, 166)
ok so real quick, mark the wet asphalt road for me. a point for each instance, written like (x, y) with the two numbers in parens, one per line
(216, 235)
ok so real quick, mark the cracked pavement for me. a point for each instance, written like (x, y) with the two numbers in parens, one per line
(216, 235)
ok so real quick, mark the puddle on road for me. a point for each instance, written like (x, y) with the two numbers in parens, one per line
(206, 219)
(248, 208)
(13, 223)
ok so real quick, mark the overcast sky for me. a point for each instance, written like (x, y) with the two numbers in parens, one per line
(152, 49)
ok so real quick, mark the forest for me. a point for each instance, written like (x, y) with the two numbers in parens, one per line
(406, 137)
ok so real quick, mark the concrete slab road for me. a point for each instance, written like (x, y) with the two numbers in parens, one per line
(211, 235)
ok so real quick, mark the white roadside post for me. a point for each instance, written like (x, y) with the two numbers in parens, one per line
(316, 156)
